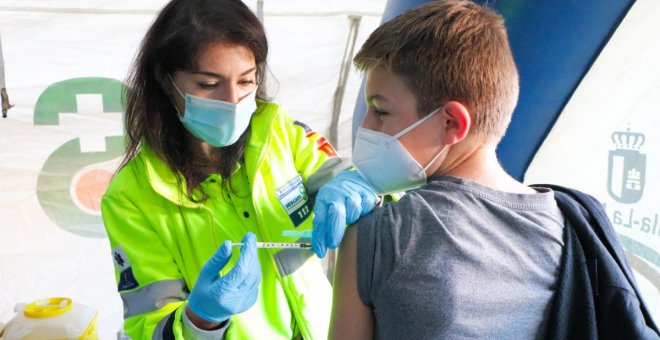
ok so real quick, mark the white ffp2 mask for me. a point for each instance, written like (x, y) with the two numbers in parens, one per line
(385, 163)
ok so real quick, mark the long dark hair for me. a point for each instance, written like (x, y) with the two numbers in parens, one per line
(174, 42)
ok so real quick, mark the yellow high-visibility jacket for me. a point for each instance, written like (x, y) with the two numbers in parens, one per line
(160, 238)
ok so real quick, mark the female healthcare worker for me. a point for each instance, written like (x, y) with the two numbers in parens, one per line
(209, 160)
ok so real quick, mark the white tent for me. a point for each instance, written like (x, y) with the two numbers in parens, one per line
(604, 142)
(72, 55)
(63, 61)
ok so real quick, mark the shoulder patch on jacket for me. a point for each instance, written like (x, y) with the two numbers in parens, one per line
(303, 125)
(126, 278)
(322, 144)
(121, 260)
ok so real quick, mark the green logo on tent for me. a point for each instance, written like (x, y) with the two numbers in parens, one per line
(75, 175)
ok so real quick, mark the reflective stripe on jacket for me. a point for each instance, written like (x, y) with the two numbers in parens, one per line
(160, 238)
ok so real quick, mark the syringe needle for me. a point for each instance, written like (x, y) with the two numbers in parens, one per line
(278, 245)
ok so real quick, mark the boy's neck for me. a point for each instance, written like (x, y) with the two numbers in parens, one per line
(479, 163)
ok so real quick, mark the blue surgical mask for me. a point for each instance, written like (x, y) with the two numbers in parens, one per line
(217, 122)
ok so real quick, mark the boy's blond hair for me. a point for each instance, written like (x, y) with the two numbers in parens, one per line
(450, 50)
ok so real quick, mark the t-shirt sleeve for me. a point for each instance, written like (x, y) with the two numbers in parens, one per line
(381, 242)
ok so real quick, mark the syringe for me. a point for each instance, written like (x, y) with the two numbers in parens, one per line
(278, 245)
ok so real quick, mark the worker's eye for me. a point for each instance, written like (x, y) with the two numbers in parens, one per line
(246, 82)
(207, 86)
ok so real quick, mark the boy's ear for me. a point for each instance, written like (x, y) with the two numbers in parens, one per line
(457, 122)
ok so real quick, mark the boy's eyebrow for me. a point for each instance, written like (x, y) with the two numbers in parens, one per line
(371, 98)
(219, 76)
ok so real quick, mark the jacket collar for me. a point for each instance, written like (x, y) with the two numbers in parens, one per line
(164, 181)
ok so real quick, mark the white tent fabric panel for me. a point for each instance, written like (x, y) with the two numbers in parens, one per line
(606, 142)
(45, 249)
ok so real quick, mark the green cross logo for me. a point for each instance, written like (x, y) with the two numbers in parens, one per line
(76, 174)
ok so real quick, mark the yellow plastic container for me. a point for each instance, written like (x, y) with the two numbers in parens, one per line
(52, 318)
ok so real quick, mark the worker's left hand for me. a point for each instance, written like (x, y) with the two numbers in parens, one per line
(339, 202)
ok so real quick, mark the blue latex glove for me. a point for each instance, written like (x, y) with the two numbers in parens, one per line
(215, 298)
(339, 202)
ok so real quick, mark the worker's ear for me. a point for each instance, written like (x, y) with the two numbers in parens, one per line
(163, 79)
(166, 84)
(456, 122)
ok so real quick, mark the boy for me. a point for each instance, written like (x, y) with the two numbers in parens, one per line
(473, 253)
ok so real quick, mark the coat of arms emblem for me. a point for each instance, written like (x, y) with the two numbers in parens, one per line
(626, 173)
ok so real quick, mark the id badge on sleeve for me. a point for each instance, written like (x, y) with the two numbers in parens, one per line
(294, 199)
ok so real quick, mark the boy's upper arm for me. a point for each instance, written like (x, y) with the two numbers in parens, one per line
(351, 318)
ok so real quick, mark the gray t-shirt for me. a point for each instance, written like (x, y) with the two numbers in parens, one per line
(458, 260)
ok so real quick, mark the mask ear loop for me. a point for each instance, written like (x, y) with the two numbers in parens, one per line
(176, 87)
(177, 90)
(416, 124)
(435, 158)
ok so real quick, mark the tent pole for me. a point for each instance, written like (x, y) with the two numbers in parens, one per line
(355, 20)
(343, 77)
(4, 97)
(260, 11)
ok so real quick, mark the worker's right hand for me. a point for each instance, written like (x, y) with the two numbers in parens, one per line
(339, 203)
(215, 298)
